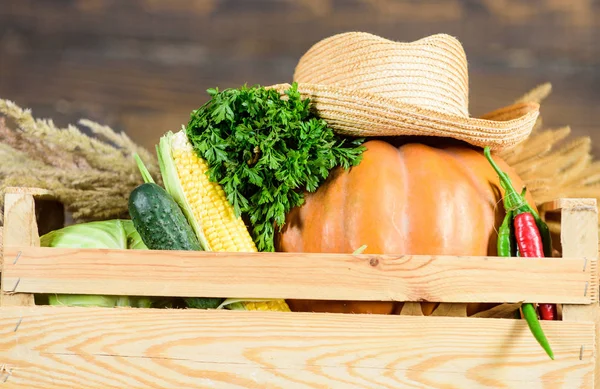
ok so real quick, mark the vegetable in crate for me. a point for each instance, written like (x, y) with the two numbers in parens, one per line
(107, 234)
(163, 226)
(507, 247)
(519, 235)
(506, 244)
(532, 233)
(434, 198)
(206, 209)
(159, 220)
(530, 244)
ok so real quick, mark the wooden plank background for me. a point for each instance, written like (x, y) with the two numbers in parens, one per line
(143, 65)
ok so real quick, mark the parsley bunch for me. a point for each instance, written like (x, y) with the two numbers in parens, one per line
(265, 151)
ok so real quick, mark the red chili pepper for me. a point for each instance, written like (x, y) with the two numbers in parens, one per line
(548, 311)
(529, 242)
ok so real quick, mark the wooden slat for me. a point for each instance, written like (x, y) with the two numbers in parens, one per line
(579, 237)
(292, 275)
(37, 193)
(20, 229)
(568, 203)
(93, 348)
(49, 211)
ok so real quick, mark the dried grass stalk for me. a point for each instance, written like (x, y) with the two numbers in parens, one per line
(538, 144)
(537, 94)
(552, 165)
(91, 176)
(502, 311)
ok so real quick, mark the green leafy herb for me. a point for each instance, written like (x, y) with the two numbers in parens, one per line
(265, 151)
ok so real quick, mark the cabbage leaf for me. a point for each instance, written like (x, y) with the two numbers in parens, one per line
(106, 234)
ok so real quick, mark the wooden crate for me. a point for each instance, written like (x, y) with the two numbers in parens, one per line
(65, 347)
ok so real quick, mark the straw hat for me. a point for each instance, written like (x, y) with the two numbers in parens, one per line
(365, 85)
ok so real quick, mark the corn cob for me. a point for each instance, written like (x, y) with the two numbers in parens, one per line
(206, 207)
(255, 305)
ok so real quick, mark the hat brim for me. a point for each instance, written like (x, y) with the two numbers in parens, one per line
(364, 114)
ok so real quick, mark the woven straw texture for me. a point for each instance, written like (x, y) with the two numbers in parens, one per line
(365, 85)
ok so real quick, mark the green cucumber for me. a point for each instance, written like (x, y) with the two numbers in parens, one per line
(159, 219)
(162, 225)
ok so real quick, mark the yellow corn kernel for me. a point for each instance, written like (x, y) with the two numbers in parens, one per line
(210, 207)
(270, 305)
(223, 231)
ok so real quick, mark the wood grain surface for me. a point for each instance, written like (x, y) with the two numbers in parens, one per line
(579, 237)
(300, 275)
(20, 229)
(143, 65)
(588, 205)
(49, 212)
(53, 347)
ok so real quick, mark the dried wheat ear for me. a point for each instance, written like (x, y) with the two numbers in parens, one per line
(552, 164)
(91, 175)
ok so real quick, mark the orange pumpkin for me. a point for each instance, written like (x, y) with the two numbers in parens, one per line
(414, 198)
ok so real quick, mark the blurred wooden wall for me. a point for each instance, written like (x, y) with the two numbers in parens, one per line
(143, 65)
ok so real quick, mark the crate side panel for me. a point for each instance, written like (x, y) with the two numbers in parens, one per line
(311, 276)
(579, 237)
(93, 348)
(20, 229)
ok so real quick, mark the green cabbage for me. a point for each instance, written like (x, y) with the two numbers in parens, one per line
(107, 234)
(134, 240)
